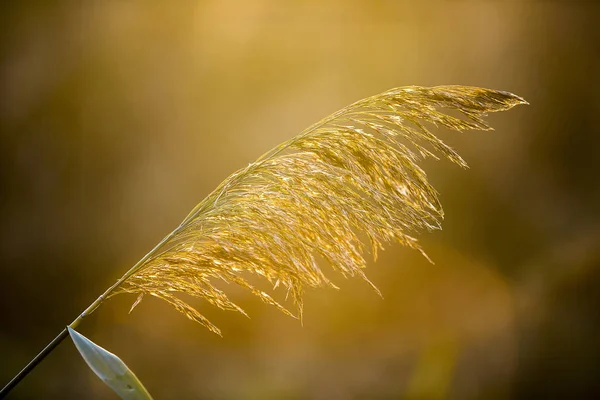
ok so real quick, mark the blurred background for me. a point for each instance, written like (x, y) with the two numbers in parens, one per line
(117, 117)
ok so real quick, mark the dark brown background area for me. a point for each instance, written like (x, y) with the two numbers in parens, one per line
(117, 117)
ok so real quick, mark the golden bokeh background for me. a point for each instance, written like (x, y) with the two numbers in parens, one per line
(117, 117)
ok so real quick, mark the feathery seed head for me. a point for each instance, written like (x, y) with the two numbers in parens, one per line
(356, 171)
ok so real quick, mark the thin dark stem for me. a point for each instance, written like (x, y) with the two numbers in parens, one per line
(33, 363)
(91, 308)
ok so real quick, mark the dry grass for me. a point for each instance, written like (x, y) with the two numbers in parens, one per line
(353, 173)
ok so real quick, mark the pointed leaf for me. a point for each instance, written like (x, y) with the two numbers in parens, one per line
(110, 369)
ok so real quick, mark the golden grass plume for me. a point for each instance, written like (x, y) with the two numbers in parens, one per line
(353, 173)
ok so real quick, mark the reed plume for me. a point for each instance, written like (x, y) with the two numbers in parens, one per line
(353, 173)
